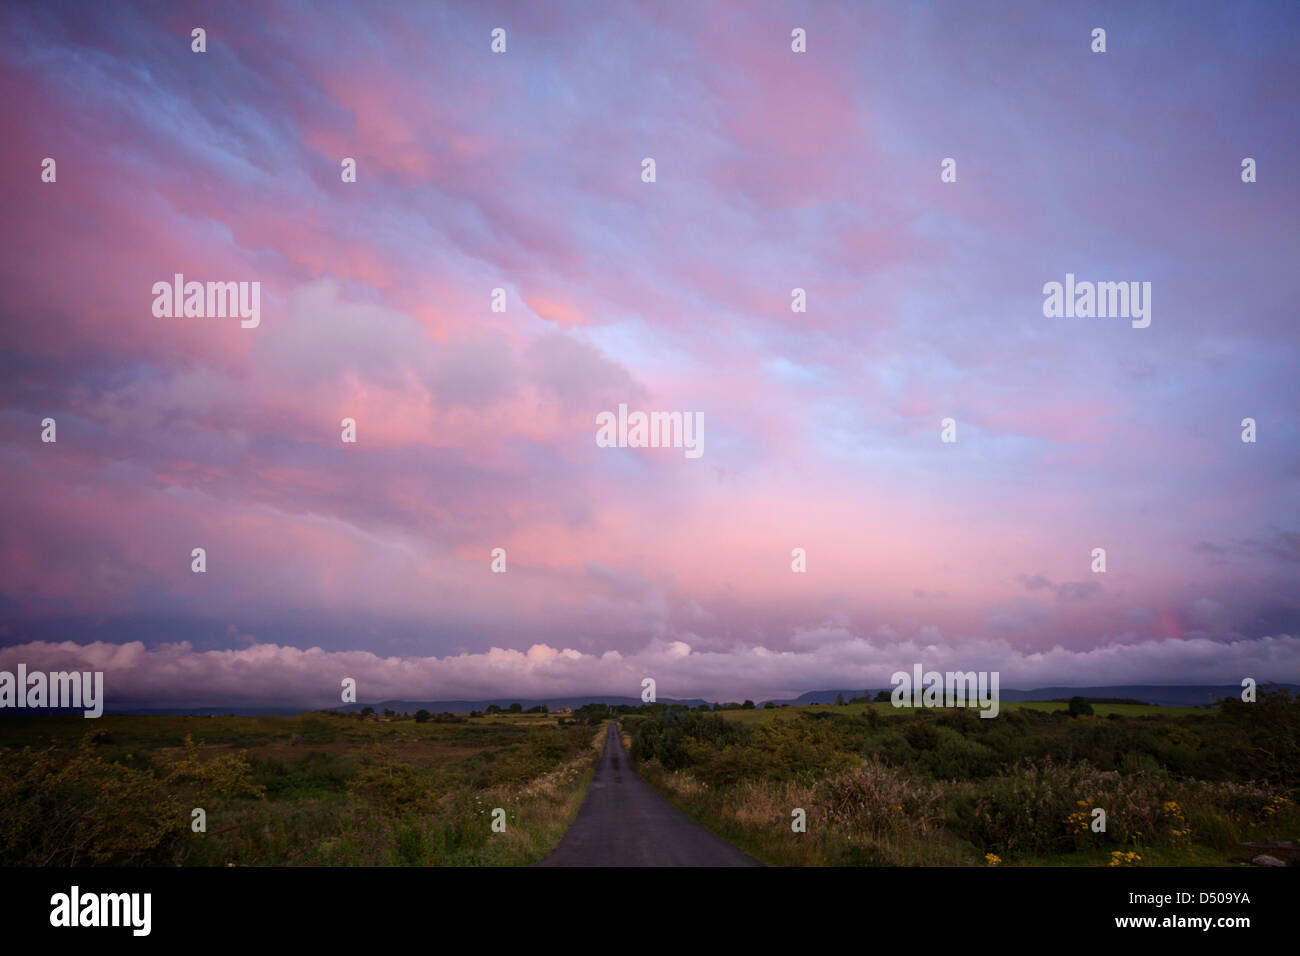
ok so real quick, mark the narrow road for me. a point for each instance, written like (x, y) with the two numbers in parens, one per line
(622, 822)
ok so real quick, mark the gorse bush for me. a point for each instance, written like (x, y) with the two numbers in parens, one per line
(889, 788)
(64, 809)
(1038, 807)
(390, 783)
(1267, 737)
(1241, 742)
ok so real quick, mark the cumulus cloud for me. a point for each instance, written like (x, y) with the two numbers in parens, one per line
(176, 675)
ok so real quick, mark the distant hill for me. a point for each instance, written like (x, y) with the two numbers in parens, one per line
(215, 710)
(401, 706)
(1179, 695)
(552, 703)
(822, 697)
(1182, 695)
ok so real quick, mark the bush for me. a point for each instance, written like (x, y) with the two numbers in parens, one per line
(1034, 807)
(391, 784)
(80, 809)
(669, 735)
(1269, 734)
(921, 734)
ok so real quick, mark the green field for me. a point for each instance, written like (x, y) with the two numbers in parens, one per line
(315, 789)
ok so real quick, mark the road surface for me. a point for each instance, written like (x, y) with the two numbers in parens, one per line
(622, 822)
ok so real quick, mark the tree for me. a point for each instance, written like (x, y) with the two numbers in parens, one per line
(388, 712)
(422, 715)
(747, 705)
(839, 700)
(882, 697)
(367, 711)
(1079, 706)
(516, 708)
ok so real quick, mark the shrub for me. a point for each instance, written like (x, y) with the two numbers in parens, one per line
(391, 784)
(921, 734)
(1029, 808)
(81, 809)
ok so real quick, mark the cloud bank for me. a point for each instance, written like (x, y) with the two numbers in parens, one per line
(175, 675)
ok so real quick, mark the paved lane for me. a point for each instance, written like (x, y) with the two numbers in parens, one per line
(622, 822)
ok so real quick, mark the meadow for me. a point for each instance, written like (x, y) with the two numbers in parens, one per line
(317, 789)
(887, 787)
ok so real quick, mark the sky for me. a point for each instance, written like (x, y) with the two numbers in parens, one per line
(476, 429)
